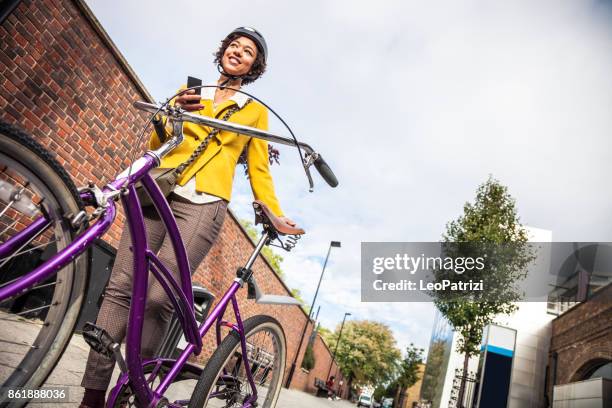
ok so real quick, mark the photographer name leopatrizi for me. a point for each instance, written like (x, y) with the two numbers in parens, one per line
(422, 263)
(445, 284)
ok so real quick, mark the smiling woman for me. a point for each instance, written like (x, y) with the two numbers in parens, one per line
(244, 47)
(204, 165)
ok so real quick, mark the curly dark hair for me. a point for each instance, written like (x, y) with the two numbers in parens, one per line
(259, 66)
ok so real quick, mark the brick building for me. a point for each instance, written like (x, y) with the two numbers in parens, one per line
(64, 81)
(581, 343)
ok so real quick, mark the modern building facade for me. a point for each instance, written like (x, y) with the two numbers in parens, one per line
(563, 352)
(532, 324)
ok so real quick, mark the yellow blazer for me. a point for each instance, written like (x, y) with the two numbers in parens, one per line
(214, 169)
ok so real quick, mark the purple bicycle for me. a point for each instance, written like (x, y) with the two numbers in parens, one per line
(46, 228)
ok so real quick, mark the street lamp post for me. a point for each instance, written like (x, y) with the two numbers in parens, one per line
(337, 343)
(332, 244)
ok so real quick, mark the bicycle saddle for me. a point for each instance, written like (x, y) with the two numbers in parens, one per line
(265, 216)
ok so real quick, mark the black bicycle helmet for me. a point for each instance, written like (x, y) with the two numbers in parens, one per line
(254, 35)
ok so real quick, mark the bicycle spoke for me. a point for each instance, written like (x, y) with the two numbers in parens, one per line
(154, 373)
(35, 287)
(47, 285)
(16, 195)
(35, 248)
(25, 244)
(35, 309)
(8, 227)
(233, 387)
(9, 205)
(35, 324)
(179, 392)
(6, 284)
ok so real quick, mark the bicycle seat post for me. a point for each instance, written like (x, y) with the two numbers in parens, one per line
(247, 267)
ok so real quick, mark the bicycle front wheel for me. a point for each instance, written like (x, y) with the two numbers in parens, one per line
(224, 380)
(35, 325)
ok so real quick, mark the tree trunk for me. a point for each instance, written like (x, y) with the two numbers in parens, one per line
(466, 360)
(398, 396)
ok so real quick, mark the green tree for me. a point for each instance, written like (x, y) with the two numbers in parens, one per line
(367, 352)
(328, 336)
(308, 362)
(492, 222)
(407, 374)
(410, 366)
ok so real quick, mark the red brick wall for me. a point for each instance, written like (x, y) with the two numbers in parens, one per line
(581, 337)
(305, 380)
(219, 270)
(63, 81)
(217, 273)
(62, 85)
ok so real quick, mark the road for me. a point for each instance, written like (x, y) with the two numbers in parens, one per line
(69, 372)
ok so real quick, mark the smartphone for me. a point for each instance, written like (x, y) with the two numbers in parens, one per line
(192, 81)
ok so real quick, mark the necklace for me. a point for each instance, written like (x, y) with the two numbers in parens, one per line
(221, 95)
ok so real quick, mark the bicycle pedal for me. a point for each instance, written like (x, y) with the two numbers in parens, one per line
(99, 340)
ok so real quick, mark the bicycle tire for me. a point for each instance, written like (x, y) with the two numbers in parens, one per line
(20, 149)
(224, 353)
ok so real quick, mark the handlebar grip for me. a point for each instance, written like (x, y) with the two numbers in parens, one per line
(325, 171)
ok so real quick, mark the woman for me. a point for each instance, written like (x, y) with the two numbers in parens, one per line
(199, 201)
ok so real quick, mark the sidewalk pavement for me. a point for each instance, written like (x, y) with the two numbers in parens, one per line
(69, 371)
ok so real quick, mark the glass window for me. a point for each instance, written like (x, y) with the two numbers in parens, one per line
(604, 371)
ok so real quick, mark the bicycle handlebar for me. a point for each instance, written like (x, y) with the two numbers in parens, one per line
(177, 116)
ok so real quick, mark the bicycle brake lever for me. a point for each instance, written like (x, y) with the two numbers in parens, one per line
(160, 128)
(308, 161)
(311, 188)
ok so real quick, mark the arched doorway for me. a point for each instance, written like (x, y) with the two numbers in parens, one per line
(595, 368)
(603, 371)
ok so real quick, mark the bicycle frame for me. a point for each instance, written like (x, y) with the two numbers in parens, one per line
(180, 293)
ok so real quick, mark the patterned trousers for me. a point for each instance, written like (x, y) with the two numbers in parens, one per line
(199, 225)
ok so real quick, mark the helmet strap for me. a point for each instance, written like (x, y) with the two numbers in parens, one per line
(228, 76)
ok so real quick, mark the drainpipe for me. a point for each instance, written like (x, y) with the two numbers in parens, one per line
(553, 380)
(6, 8)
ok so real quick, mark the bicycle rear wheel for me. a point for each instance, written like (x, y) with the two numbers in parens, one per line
(36, 325)
(224, 380)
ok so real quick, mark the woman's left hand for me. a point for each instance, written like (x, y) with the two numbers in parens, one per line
(288, 221)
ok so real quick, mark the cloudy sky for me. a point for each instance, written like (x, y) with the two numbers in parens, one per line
(413, 104)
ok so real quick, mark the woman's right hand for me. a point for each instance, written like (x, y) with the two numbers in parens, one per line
(189, 101)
